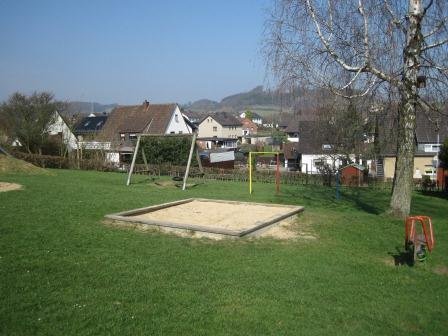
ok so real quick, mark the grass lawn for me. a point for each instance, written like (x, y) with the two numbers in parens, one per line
(62, 272)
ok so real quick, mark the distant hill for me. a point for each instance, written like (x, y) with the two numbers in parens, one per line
(268, 103)
(85, 108)
(238, 102)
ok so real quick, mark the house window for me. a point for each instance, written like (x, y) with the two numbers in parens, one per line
(176, 118)
(215, 129)
(327, 146)
(132, 136)
(430, 170)
(122, 136)
(180, 132)
(172, 132)
(319, 162)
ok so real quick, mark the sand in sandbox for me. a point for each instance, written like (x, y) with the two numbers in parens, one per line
(230, 216)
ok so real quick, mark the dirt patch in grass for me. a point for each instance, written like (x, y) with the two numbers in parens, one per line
(12, 165)
(441, 270)
(5, 186)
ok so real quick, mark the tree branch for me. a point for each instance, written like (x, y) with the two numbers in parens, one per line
(395, 19)
(366, 32)
(434, 45)
(327, 44)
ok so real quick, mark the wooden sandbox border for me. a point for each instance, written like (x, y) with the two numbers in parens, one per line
(124, 216)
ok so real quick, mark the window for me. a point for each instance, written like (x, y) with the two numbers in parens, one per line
(327, 146)
(176, 118)
(122, 136)
(132, 136)
(431, 148)
(180, 132)
(215, 129)
(319, 162)
(430, 170)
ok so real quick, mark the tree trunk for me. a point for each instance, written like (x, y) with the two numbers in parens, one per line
(404, 165)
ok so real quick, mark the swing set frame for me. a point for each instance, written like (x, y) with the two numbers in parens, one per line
(193, 147)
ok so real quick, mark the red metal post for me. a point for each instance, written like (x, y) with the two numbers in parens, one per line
(277, 176)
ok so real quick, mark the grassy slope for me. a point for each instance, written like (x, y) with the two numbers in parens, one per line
(62, 272)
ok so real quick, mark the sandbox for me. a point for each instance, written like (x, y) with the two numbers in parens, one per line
(229, 218)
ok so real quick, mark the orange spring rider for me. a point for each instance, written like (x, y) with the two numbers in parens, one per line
(418, 240)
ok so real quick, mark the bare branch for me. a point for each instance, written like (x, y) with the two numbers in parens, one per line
(434, 45)
(395, 19)
(327, 44)
(437, 27)
(366, 32)
(427, 7)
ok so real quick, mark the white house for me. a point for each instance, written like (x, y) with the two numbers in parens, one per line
(59, 126)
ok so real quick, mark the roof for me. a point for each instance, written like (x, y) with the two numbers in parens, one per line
(145, 118)
(90, 124)
(426, 131)
(284, 120)
(293, 126)
(310, 142)
(355, 165)
(224, 118)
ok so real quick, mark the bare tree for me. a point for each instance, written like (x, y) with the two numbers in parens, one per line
(382, 46)
(27, 118)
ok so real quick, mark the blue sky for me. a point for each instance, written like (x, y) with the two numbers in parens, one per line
(127, 51)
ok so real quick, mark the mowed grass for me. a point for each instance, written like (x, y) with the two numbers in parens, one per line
(62, 272)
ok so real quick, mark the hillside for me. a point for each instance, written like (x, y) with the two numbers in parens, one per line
(85, 108)
(256, 99)
(267, 103)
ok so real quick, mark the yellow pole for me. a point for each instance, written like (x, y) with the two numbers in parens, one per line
(250, 173)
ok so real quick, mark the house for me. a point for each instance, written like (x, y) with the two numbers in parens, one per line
(58, 128)
(292, 130)
(219, 130)
(125, 123)
(89, 126)
(314, 150)
(193, 117)
(256, 118)
(428, 139)
(249, 127)
(87, 130)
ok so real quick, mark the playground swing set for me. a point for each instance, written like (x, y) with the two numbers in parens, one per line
(193, 148)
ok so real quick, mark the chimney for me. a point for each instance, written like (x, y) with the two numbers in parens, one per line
(146, 103)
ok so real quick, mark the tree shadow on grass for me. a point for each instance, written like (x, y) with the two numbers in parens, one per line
(438, 194)
(401, 257)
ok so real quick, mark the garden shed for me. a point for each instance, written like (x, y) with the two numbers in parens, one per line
(352, 175)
